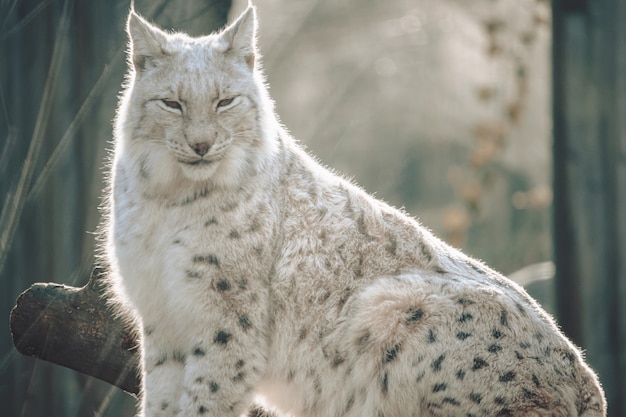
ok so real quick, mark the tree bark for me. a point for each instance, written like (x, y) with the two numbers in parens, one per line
(589, 89)
(76, 328)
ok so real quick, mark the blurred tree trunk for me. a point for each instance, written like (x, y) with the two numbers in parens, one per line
(61, 68)
(590, 183)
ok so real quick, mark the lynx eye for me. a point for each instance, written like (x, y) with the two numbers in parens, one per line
(172, 104)
(225, 102)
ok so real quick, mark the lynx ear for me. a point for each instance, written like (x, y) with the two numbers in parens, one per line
(147, 42)
(240, 37)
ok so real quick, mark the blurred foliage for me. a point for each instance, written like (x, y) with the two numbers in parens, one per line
(440, 107)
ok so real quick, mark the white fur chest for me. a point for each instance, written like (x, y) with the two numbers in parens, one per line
(169, 254)
(153, 245)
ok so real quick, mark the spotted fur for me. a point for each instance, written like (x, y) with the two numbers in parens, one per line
(252, 270)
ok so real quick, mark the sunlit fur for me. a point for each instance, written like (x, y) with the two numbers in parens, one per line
(254, 271)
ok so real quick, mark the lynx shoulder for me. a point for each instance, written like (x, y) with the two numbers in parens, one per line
(254, 271)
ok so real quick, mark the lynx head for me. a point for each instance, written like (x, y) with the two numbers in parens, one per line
(195, 109)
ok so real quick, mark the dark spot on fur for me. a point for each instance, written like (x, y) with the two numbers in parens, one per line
(363, 341)
(497, 334)
(239, 364)
(199, 352)
(346, 293)
(476, 268)
(384, 383)
(476, 398)
(222, 337)
(358, 269)
(317, 385)
(479, 363)
(460, 374)
(519, 356)
(426, 252)
(536, 381)
(199, 380)
(230, 206)
(210, 222)
(505, 412)
(254, 226)
(303, 333)
(524, 345)
(434, 405)
(431, 336)
(148, 330)
(214, 386)
(161, 360)
(239, 377)
(499, 400)
(222, 285)
(193, 274)
(244, 322)
(391, 354)
(539, 337)
(464, 301)
(362, 228)
(528, 394)
(207, 259)
(463, 335)
(420, 376)
(504, 318)
(392, 246)
(439, 387)
(440, 270)
(179, 356)
(242, 284)
(451, 401)
(494, 348)
(328, 264)
(291, 375)
(234, 234)
(414, 315)
(349, 404)
(436, 365)
(164, 405)
(465, 317)
(201, 410)
(537, 359)
(337, 360)
(507, 377)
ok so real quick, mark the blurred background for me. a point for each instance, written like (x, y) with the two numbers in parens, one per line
(499, 124)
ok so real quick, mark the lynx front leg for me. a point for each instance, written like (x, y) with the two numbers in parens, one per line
(221, 372)
(163, 371)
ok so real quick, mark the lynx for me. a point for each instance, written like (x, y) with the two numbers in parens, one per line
(253, 271)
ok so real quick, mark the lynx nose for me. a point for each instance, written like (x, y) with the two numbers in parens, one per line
(201, 148)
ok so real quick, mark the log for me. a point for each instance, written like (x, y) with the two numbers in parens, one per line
(75, 328)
